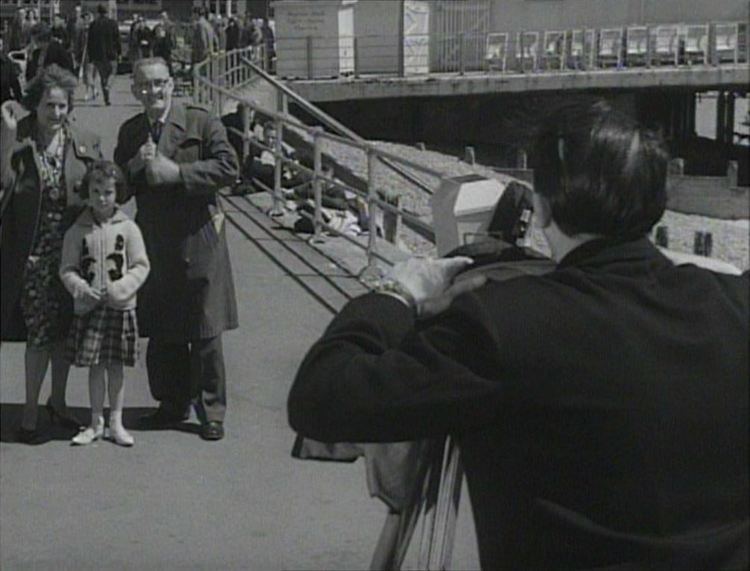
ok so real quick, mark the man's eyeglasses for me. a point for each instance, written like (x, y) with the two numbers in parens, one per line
(153, 85)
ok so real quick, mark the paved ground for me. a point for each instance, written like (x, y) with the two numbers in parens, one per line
(174, 501)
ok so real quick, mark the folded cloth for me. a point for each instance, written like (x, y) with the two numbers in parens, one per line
(392, 469)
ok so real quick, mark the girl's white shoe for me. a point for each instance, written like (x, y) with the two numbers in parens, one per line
(121, 436)
(88, 435)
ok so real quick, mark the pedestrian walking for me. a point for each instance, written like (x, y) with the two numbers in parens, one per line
(103, 265)
(142, 40)
(43, 159)
(269, 44)
(18, 32)
(162, 45)
(204, 38)
(104, 48)
(87, 71)
(46, 51)
(59, 32)
(217, 22)
(10, 86)
(233, 35)
(176, 157)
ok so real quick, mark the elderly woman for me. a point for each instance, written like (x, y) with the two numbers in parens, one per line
(43, 158)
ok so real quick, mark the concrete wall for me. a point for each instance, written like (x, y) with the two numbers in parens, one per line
(514, 15)
(298, 20)
(708, 196)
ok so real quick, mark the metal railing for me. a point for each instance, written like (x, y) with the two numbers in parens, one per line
(223, 69)
(217, 81)
(560, 50)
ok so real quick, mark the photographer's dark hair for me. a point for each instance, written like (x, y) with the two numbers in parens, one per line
(102, 170)
(600, 171)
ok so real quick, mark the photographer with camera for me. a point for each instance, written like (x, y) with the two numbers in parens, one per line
(601, 409)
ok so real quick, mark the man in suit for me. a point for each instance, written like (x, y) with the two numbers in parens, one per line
(601, 409)
(104, 48)
(177, 157)
(46, 52)
(205, 42)
(10, 86)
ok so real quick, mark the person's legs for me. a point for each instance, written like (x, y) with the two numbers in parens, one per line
(105, 69)
(208, 377)
(36, 361)
(168, 367)
(116, 402)
(60, 370)
(96, 395)
(94, 76)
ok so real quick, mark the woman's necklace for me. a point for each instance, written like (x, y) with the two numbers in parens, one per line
(52, 157)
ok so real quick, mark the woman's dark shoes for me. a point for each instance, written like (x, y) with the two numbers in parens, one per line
(212, 430)
(66, 420)
(31, 437)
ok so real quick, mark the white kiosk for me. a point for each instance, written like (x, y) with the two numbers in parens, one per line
(314, 39)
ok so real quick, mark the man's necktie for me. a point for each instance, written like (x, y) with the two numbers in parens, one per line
(156, 131)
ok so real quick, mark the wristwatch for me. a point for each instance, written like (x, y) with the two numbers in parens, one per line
(397, 290)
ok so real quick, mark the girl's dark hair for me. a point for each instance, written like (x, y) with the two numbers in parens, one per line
(48, 78)
(601, 172)
(103, 170)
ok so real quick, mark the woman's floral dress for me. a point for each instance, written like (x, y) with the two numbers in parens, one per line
(43, 296)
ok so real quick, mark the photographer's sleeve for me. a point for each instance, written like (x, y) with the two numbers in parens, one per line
(377, 376)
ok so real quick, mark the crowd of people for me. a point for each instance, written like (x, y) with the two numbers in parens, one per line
(90, 44)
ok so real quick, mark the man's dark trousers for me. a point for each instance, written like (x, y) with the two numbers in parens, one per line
(180, 372)
(105, 69)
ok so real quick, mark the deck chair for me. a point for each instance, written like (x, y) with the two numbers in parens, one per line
(554, 50)
(726, 43)
(696, 44)
(581, 49)
(666, 44)
(496, 52)
(610, 48)
(527, 50)
(636, 46)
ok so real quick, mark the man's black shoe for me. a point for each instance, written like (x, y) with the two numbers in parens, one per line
(31, 437)
(212, 430)
(162, 418)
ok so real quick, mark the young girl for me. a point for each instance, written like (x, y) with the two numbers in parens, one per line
(103, 264)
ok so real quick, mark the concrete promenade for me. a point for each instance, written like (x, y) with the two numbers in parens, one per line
(174, 501)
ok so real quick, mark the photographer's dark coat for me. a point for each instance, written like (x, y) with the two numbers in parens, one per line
(22, 200)
(190, 291)
(601, 409)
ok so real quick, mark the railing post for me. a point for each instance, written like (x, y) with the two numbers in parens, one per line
(401, 70)
(372, 272)
(355, 48)
(317, 237)
(278, 201)
(461, 54)
(246, 124)
(309, 43)
(221, 73)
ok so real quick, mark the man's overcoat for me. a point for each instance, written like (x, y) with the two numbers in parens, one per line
(190, 291)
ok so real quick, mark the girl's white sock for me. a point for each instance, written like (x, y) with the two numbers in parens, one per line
(117, 430)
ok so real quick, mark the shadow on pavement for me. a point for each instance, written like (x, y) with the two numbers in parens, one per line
(10, 421)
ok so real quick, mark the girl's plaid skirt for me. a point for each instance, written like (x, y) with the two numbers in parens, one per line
(103, 336)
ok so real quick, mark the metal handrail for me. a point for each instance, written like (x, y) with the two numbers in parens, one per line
(211, 80)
